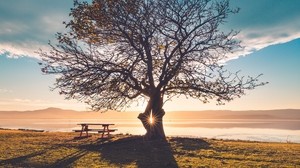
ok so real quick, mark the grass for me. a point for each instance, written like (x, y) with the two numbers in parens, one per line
(35, 149)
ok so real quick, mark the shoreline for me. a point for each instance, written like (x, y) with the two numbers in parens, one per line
(171, 136)
(23, 129)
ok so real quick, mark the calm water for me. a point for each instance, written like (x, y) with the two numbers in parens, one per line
(254, 130)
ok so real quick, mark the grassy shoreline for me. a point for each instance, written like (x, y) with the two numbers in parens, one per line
(57, 149)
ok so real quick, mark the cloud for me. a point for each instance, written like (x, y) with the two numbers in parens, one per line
(5, 91)
(27, 26)
(255, 39)
(25, 48)
(265, 23)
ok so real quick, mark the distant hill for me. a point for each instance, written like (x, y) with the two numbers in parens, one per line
(56, 113)
(249, 114)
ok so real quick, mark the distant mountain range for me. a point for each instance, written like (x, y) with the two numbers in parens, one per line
(56, 113)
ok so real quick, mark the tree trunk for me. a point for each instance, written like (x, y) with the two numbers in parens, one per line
(154, 109)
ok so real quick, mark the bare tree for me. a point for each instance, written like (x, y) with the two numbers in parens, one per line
(119, 51)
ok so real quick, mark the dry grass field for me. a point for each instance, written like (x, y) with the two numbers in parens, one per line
(35, 149)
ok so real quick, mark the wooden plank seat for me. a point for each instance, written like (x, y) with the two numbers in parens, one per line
(106, 132)
(76, 130)
(110, 130)
(96, 130)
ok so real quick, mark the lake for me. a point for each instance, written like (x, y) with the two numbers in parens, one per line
(243, 129)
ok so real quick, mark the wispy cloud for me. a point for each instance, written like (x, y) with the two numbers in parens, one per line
(5, 91)
(253, 40)
(27, 26)
(265, 23)
(25, 48)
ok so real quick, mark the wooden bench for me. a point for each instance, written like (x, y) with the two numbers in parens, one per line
(107, 131)
(110, 130)
(85, 128)
(90, 130)
(76, 130)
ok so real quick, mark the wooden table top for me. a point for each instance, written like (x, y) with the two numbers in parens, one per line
(94, 124)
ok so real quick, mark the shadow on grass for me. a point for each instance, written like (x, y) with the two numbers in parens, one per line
(135, 149)
(68, 160)
(132, 150)
(190, 144)
(26, 160)
(21, 161)
(188, 147)
(30, 159)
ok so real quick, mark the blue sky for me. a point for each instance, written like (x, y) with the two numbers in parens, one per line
(269, 30)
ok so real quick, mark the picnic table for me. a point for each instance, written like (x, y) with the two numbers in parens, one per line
(85, 127)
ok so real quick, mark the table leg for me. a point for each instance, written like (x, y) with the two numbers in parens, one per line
(87, 130)
(107, 132)
(82, 129)
(104, 129)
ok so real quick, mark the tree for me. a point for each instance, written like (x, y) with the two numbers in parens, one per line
(119, 51)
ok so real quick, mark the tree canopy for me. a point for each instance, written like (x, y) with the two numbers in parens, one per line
(119, 51)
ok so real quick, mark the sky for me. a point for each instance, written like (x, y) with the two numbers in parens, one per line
(269, 31)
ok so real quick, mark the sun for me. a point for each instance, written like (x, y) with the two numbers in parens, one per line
(151, 119)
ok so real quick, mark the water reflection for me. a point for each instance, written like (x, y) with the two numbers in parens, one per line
(254, 130)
